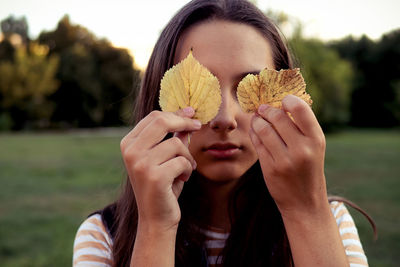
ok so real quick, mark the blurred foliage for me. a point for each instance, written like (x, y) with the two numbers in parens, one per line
(96, 81)
(352, 82)
(330, 87)
(97, 78)
(11, 26)
(6, 51)
(375, 98)
(25, 83)
(79, 80)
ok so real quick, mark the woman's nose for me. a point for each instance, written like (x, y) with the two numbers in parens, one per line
(226, 116)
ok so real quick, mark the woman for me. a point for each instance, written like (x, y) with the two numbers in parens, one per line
(249, 190)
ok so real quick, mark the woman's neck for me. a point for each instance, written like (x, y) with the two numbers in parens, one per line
(215, 202)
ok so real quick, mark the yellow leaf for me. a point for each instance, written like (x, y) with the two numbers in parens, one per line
(188, 83)
(270, 87)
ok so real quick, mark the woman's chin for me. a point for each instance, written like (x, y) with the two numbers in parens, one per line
(221, 175)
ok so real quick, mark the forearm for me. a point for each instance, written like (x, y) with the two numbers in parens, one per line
(314, 238)
(154, 247)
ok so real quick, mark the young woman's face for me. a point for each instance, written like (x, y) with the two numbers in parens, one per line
(222, 148)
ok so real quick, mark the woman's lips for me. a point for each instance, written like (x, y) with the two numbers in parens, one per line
(223, 150)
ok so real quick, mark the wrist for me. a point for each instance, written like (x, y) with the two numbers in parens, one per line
(154, 245)
(306, 203)
(316, 213)
(155, 229)
(314, 237)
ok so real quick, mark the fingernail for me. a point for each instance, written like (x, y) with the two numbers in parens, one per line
(197, 123)
(262, 107)
(188, 111)
(194, 165)
(290, 96)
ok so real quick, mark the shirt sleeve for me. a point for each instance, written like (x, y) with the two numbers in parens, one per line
(349, 234)
(92, 245)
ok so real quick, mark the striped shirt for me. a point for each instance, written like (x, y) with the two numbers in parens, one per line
(92, 246)
(215, 242)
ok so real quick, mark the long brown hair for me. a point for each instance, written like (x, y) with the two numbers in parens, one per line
(256, 221)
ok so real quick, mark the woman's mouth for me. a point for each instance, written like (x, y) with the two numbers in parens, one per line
(222, 150)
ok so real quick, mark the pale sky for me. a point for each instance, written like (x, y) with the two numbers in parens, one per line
(136, 24)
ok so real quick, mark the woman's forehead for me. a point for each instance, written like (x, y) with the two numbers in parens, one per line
(223, 42)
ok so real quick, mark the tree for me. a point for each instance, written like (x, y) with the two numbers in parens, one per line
(96, 78)
(329, 78)
(119, 80)
(375, 98)
(25, 83)
(6, 51)
(12, 26)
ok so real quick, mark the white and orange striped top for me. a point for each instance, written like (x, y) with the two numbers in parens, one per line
(92, 246)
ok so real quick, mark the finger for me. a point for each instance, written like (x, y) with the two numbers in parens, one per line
(269, 137)
(177, 167)
(139, 127)
(177, 186)
(144, 122)
(303, 116)
(186, 112)
(170, 149)
(166, 123)
(263, 153)
(282, 123)
(184, 136)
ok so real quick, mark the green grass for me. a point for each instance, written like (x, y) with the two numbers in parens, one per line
(50, 182)
(364, 166)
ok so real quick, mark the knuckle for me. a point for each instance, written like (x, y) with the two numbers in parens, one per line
(179, 112)
(122, 144)
(155, 114)
(125, 155)
(321, 142)
(125, 144)
(152, 177)
(161, 121)
(298, 107)
(284, 165)
(276, 115)
(308, 154)
(140, 167)
(275, 171)
(175, 141)
(129, 155)
(183, 162)
(304, 155)
(265, 130)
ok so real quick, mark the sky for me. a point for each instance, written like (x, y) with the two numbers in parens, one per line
(136, 24)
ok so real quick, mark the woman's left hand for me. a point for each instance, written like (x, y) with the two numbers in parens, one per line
(291, 154)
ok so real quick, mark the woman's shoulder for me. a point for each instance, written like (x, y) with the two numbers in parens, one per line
(338, 209)
(342, 215)
(93, 243)
(349, 234)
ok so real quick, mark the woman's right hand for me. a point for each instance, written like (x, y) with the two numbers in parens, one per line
(157, 169)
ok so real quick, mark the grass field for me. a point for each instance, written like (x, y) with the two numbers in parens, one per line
(50, 182)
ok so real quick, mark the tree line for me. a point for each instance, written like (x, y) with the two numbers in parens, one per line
(65, 78)
(68, 77)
